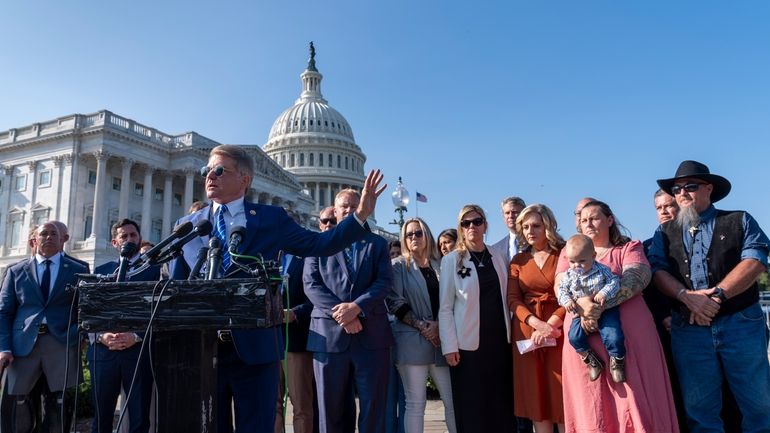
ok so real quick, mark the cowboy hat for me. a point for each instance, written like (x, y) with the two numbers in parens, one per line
(696, 170)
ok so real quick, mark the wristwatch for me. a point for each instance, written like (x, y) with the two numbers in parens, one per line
(719, 294)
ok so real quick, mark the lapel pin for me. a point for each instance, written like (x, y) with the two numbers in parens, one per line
(721, 237)
(252, 212)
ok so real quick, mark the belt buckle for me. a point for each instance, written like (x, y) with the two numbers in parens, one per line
(225, 336)
(42, 329)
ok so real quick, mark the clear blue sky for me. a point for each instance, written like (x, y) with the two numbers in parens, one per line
(468, 101)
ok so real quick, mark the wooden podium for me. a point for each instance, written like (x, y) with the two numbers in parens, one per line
(183, 338)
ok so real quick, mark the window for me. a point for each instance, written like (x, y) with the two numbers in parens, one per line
(40, 216)
(16, 221)
(283, 160)
(339, 161)
(302, 159)
(159, 194)
(155, 232)
(346, 163)
(312, 162)
(320, 159)
(139, 189)
(116, 181)
(44, 179)
(87, 226)
(291, 160)
(92, 177)
(21, 182)
(331, 164)
(177, 199)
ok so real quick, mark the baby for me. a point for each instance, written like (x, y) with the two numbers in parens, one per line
(587, 277)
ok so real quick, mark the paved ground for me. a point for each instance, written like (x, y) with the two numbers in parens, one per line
(434, 418)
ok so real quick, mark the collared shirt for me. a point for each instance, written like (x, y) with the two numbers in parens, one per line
(53, 269)
(599, 279)
(696, 244)
(235, 215)
(513, 246)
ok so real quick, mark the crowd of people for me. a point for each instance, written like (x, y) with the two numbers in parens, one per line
(662, 336)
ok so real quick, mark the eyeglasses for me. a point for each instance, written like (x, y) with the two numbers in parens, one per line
(476, 222)
(218, 170)
(331, 221)
(415, 234)
(690, 187)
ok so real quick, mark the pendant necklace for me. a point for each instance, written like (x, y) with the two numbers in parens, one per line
(480, 260)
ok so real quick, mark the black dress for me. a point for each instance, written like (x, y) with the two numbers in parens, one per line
(481, 382)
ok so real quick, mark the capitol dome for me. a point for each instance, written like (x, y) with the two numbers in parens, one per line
(314, 142)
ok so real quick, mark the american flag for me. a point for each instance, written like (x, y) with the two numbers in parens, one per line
(422, 198)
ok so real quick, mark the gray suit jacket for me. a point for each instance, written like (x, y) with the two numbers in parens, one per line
(501, 247)
(409, 287)
(22, 308)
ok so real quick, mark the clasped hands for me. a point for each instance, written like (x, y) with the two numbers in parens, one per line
(429, 330)
(346, 315)
(117, 341)
(703, 307)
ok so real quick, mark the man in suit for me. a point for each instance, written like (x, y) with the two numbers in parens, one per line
(113, 357)
(248, 362)
(38, 323)
(508, 246)
(349, 330)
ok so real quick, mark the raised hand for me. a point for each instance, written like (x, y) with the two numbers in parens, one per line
(369, 194)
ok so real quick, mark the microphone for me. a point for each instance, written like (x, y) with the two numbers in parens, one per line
(202, 228)
(152, 253)
(126, 251)
(236, 237)
(199, 261)
(214, 258)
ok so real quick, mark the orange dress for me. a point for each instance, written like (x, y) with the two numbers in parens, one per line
(537, 391)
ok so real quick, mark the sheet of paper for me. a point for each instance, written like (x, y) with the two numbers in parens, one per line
(525, 346)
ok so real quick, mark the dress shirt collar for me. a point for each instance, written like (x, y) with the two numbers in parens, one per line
(39, 259)
(709, 213)
(233, 208)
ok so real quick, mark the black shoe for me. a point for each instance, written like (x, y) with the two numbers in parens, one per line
(595, 365)
(618, 369)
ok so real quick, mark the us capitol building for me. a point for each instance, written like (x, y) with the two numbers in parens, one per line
(89, 170)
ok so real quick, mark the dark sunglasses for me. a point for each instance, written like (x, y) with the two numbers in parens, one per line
(328, 220)
(218, 170)
(690, 187)
(476, 222)
(416, 234)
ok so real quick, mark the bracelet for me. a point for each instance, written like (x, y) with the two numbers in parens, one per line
(680, 293)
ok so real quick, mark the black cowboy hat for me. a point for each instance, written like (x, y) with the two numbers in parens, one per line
(696, 170)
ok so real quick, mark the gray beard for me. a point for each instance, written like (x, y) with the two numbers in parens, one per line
(688, 217)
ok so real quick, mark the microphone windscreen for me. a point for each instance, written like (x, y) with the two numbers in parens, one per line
(128, 249)
(203, 228)
(183, 229)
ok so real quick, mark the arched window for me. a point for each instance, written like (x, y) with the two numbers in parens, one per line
(331, 164)
(283, 160)
(339, 161)
(320, 159)
(291, 160)
(312, 159)
(302, 159)
(346, 163)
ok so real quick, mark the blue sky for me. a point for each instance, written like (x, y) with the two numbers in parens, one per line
(468, 101)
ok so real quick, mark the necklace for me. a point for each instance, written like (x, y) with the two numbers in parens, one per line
(480, 260)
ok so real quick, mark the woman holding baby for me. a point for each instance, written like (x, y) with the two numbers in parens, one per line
(644, 401)
(537, 317)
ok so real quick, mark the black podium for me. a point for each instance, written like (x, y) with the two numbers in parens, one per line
(183, 344)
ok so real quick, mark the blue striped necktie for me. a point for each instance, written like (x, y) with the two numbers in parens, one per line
(222, 235)
(350, 260)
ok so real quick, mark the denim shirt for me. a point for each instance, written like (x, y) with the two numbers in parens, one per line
(755, 246)
(599, 279)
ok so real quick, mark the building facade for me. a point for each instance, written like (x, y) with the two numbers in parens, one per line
(90, 170)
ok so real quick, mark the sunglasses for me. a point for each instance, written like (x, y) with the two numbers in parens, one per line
(476, 222)
(415, 234)
(328, 220)
(218, 170)
(690, 187)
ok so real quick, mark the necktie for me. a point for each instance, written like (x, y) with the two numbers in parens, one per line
(222, 235)
(350, 260)
(45, 281)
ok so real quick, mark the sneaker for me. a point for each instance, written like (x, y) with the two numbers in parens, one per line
(595, 365)
(618, 369)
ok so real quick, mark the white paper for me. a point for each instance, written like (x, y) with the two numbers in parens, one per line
(525, 346)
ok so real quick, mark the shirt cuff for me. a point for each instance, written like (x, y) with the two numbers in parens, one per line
(355, 215)
(757, 255)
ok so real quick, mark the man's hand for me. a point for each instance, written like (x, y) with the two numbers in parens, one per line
(289, 316)
(354, 327)
(589, 325)
(452, 358)
(591, 310)
(369, 194)
(345, 312)
(571, 307)
(118, 341)
(6, 358)
(702, 306)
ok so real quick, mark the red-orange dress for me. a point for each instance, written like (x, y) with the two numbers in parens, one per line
(537, 391)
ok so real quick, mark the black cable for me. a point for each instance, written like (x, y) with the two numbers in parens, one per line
(67, 360)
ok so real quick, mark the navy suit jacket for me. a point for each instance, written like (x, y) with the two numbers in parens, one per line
(22, 308)
(268, 230)
(327, 283)
(300, 305)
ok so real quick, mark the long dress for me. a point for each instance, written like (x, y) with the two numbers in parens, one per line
(536, 375)
(644, 403)
(481, 388)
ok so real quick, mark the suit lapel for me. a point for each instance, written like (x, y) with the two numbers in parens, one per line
(31, 272)
(63, 275)
(340, 258)
(252, 215)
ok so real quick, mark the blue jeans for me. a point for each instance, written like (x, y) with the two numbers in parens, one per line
(609, 330)
(734, 346)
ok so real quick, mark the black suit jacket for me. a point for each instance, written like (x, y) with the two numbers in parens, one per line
(300, 305)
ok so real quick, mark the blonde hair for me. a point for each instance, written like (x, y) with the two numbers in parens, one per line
(460, 246)
(431, 249)
(347, 191)
(555, 241)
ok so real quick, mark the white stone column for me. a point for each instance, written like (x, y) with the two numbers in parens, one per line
(168, 193)
(329, 194)
(125, 187)
(6, 198)
(189, 185)
(147, 202)
(99, 193)
(317, 197)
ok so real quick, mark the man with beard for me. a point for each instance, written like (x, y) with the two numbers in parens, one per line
(708, 261)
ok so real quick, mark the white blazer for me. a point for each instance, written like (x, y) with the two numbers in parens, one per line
(458, 314)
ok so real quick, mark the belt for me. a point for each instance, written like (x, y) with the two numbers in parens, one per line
(225, 336)
(42, 329)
